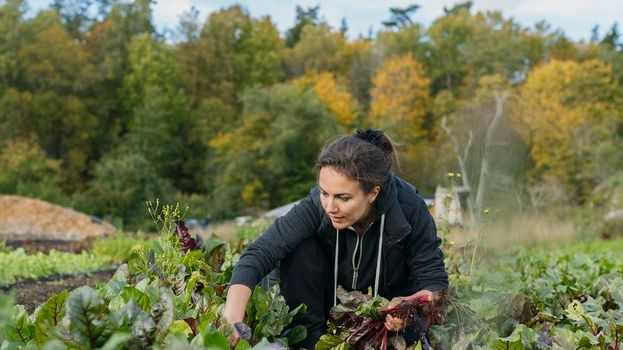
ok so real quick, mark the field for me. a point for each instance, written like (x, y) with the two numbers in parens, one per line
(168, 292)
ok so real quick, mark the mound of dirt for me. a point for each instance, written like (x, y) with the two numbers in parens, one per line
(24, 218)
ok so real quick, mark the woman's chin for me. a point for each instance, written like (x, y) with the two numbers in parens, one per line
(340, 224)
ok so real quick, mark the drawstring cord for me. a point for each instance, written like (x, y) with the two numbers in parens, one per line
(377, 275)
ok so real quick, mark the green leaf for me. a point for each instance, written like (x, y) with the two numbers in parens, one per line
(328, 342)
(296, 334)
(214, 340)
(87, 313)
(180, 326)
(116, 341)
(167, 303)
(242, 345)
(49, 315)
(210, 245)
(142, 299)
(18, 328)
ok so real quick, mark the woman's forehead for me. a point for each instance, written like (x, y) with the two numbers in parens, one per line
(334, 181)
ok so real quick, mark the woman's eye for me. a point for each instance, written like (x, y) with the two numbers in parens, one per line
(344, 199)
(324, 194)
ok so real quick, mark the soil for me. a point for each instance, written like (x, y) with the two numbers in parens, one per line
(32, 293)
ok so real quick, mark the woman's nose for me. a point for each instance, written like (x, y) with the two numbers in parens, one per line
(331, 208)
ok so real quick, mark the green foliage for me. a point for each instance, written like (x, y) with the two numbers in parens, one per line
(26, 171)
(267, 159)
(16, 264)
(569, 298)
(122, 183)
(118, 248)
(163, 298)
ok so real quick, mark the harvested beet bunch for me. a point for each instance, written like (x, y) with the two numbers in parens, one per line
(359, 321)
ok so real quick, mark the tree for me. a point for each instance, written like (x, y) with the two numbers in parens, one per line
(401, 17)
(449, 36)
(161, 122)
(304, 17)
(569, 112)
(268, 159)
(122, 184)
(320, 49)
(400, 98)
(25, 170)
(53, 60)
(11, 24)
(334, 96)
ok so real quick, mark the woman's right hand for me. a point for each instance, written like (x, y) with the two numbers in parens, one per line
(238, 296)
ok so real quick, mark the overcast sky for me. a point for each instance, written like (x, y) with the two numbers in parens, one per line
(575, 17)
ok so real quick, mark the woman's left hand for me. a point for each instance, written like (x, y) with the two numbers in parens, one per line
(396, 324)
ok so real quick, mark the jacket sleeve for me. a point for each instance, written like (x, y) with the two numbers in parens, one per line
(424, 254)
(288, 231)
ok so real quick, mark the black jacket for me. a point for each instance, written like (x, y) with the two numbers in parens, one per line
(411, 258)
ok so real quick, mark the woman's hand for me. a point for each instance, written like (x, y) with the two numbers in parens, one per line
(396, 324)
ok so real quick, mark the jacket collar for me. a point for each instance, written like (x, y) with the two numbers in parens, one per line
(397, 226)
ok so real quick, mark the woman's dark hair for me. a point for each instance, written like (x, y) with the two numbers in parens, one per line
(368, 157)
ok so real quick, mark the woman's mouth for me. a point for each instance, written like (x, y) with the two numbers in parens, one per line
(336, 219)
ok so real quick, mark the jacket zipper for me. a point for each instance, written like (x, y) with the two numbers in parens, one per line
(356, 266)
(360, 247)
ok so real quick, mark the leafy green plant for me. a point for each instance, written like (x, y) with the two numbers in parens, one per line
(168, 296)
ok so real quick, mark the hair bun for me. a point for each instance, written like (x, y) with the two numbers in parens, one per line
(376, 137)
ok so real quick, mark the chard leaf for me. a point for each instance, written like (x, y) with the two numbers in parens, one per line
(142, 299)
(181, 326)
(296, 334)
(167, 303)
(87, 313)
(332, 342)
(115, 285)
(116, 341)
(18, 328)
(211, 245)
(49, 315)
(214, 340)
(242, 345)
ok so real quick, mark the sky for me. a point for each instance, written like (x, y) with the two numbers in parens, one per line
(575, 18)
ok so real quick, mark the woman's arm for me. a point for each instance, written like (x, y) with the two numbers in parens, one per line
(238, 297)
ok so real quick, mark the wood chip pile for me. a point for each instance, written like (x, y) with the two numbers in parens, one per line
(27, 218)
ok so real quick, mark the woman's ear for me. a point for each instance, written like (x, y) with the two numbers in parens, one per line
(373, 194)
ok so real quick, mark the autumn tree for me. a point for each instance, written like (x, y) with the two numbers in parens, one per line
(334, 96)
(268, 160)
(57, 71)
(320, 49)
(571, 115)
(401, 98)
(303, 18)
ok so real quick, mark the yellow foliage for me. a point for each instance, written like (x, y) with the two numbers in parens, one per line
(400, 97)
(557, 102)
(221, 141)
(333, 95)
(253, 193)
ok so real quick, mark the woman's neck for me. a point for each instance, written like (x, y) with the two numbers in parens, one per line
(366, 220)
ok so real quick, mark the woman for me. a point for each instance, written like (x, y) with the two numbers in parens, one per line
(361, 227)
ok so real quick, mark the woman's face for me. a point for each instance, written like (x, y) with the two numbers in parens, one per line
(343, 199)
